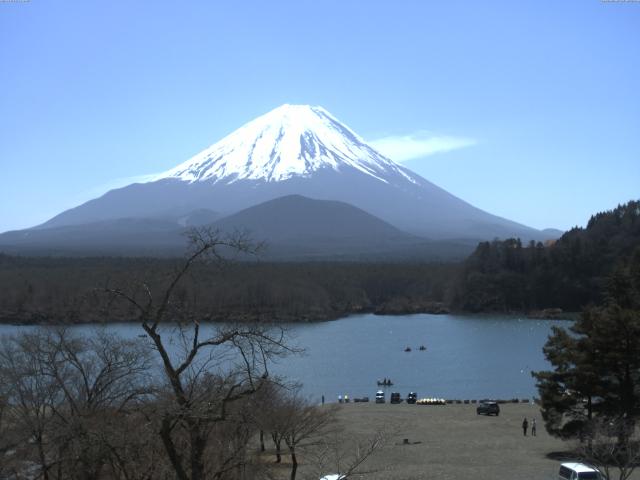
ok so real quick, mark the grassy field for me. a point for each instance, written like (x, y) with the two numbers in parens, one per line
(451, 442)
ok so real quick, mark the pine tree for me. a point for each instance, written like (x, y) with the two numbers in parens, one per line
(596, 364)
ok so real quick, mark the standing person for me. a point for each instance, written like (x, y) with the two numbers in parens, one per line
(525, 424)
(533, 427)
(339, 398)
(323, 399)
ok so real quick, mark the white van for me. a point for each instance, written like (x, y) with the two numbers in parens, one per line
(578, 471)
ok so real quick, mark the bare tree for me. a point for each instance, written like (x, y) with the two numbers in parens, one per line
(346, 458)
(69, 403)
(28, 396)
(305, 423)
(266, 413)
(613, 445)
(63, 391)
(100, 378)
(210, 370)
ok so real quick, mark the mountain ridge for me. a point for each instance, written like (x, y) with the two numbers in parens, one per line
(293, 227)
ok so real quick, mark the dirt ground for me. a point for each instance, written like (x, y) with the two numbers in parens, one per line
(452, 442)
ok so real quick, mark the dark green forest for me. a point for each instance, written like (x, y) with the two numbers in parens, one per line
(570, 274)
(500, 276)
(71, 289)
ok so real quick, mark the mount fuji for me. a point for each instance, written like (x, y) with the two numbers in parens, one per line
(292, 150)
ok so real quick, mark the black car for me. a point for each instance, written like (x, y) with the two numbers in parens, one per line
(395, 398)
(412, 397)
(488, 408)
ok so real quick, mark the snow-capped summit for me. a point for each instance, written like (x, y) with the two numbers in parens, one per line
(289, 141)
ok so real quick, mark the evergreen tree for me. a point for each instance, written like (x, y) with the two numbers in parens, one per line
(596, 364)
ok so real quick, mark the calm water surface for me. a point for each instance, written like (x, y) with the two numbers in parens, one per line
(467, 357)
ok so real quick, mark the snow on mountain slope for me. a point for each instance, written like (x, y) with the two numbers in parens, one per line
(291, 140)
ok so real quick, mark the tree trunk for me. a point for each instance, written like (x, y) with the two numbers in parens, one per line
(294, 462)
(261, 440)
(43, 458)
(277, 441)
(589, 417)
(170, 448)
(198, 444)
(59, 469)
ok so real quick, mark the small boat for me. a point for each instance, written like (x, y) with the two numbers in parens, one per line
(385, 383)
(142, 335)
(408, 349)
(422, 347)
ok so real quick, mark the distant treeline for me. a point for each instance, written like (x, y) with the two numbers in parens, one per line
(503, 276)
(43, 290)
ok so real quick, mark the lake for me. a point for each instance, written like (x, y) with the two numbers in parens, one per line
(466, 356)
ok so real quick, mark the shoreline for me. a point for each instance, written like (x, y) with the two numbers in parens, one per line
(36, 319)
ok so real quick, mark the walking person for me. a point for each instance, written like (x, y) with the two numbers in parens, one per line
(525, 425)
(533, 427)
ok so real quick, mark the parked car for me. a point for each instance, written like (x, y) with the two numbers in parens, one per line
(578, 471)
(488, 408)
(412, 397)
(395, 397)
(379, 396)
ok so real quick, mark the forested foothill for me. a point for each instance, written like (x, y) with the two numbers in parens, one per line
(500, 276)
(592, 393)
(569, 274)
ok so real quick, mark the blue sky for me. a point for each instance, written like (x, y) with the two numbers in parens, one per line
(528, 109)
